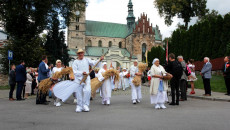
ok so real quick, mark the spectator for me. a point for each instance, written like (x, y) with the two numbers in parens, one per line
(174, 67)
(28, 84)
(43, 71)
(12, 82)
(34, 83)
(183, 79)
(20, 79)
(226, 72)
(206, 75)
(192, 77)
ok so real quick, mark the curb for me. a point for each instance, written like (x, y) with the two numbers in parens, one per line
(210, 99)
(205, 98)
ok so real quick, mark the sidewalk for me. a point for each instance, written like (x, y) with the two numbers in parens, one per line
(216, 96)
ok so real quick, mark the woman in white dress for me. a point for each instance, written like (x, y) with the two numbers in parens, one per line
(58, 68)
(106, 89)
(158, 87)
(192, 77)
(125, 79)
(28, 84)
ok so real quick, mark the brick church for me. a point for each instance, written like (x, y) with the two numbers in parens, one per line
(122, 42)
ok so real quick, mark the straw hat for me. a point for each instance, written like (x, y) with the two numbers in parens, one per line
(80, 50)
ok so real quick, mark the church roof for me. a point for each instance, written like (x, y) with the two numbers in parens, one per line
(106, 29)
(115, 30)
(99, 51)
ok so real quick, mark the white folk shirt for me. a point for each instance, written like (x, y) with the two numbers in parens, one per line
(133, 70)
(80, 66)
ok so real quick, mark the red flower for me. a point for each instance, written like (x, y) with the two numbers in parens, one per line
(227, 65)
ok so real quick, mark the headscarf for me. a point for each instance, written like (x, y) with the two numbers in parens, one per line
(156, 59)
(104, 63)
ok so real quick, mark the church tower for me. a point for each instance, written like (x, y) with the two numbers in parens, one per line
(131, 17)
(77, 29)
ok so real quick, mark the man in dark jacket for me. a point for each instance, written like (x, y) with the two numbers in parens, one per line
(12, 82)
(43, 71)
(20, 79)
(226, 72)
(174, 67)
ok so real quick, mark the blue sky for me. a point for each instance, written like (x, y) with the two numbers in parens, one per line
(116, 11)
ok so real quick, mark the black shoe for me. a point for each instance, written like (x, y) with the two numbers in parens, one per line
(177, 103)
(91, 98)
(172, 103)
(226, 94)
(45, 103)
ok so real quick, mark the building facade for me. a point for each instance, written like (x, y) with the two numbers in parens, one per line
(123, 42)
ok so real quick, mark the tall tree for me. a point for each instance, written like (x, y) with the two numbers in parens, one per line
(25, 20)
(184, 9)
(156, 52)
(55, 45)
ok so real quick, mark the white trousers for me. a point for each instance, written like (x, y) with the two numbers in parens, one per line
(83, 94)
(136, 92)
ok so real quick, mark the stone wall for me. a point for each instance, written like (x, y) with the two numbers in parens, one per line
(105, 41)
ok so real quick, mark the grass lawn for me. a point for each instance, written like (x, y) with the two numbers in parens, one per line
(217, 83)
(4, 87)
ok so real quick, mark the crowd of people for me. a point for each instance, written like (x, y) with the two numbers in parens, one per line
(176, 74)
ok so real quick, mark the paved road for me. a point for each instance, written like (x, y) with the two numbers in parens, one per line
(120, 115)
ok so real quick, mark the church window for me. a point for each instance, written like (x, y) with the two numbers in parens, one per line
(110, 43)
(77, 19)
(89, 43)
(99, 43)
(77, 27)
(120, 44)
(143, 51)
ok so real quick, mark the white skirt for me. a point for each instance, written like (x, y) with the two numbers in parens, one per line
(64, 89)
(161, 97)
(28, 87)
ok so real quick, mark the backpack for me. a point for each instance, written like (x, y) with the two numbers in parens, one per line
(177, 69)
(187, 71)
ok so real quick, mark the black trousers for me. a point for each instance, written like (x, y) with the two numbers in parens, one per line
(20, 86)
(207, 86)
(41, 97)
(174, 83)
(227, 83)
(12, 87)
(183, 89)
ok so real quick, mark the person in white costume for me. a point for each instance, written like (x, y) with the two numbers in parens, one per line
(106, 88)
(58, 68)
(136, 90)
(118, 84)
(158, 87)
(125, 79)
(64, 89)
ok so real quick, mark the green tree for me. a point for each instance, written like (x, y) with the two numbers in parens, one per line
(25, 20)
(156, 52)
(55, 44)
(225, 37)
(184, 9)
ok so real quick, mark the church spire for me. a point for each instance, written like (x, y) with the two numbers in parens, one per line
(131, 17)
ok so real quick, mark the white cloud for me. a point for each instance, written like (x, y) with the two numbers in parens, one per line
(116, 11)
